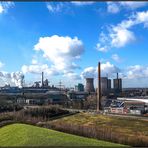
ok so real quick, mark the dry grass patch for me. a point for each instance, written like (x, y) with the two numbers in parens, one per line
(117, 129)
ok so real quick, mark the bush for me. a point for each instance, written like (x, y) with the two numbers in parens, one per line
(4, 117)
(10, 107)
(45, 112)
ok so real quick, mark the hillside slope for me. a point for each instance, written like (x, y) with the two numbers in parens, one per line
(27, 135)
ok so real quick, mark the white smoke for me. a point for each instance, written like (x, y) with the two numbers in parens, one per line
(89, 72)
(14, 77)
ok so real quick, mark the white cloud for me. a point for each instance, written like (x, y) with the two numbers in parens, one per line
(1, 64)
(116, 58)
(106, 69)
(50, 71)
(117, 37)
(1, 9)
(34, 61)
(72, 76)
(55, 7)
(61, 51)
(4, 6)
(135, 19)
(112, 7)
(130, 75)
(39, 68)
(120, 35)
(127, 23)
(33, 68)
(133, 5)
(103, 38)
(89, 72)
(142, 17)
(102, 49)
(50, 8)
(115, 7)
(82, 3)
(137, 71)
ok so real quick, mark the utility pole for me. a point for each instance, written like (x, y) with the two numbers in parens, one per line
(99, 88)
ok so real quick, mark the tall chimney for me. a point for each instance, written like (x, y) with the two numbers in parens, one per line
(99, 88)
(42, 79)
(117, 75)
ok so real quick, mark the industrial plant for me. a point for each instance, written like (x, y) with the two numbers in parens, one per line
(108, 96)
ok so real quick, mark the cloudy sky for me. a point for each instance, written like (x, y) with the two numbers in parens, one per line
(67, 39)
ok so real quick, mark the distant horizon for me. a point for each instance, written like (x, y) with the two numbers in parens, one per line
(76, 85)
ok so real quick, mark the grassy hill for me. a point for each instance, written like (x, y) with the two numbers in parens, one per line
(123, 130)
(28, 135)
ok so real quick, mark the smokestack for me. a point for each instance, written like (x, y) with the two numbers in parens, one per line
(42, 79)
(118, 80)
(99, 88)
(90, 85)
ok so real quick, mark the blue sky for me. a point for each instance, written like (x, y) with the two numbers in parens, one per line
(67, 39)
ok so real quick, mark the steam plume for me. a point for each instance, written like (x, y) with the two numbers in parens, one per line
(14, 77)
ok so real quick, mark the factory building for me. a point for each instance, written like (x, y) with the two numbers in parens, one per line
(46, 83)
(77, 95)
(89, 85)
(117, 84)
(79, 87)
(50, 97)
(105, 85)
(136, 106)
(104, 82)
(109, 84)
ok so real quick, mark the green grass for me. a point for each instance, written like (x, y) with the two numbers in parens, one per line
(28, 135)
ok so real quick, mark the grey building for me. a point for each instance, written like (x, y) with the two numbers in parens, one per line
(80, 87)
(105, 85)
(109, 84)
(118, 85)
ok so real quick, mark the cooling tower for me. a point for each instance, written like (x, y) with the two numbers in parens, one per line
(89, 85)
